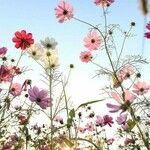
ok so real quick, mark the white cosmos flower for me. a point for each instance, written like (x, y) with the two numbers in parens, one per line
(49, 43)
(50, 58)
(35, 51)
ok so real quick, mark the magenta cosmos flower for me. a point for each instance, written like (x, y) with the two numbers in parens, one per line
(3, 51)
(63, 11)
(108, 120)
(92, 41)
(147, 34)
(40, 97)
(85, 56)
(103, 2)
(141, 88)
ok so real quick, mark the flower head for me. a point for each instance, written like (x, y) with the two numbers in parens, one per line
(5, 73)
(49, 43)
(35, 51)
(89, 126)
(3, 51)
(108, 120)
(99, 121)
(23, 39)
(40, 97)
(103, 2)
(121, 120)
(85, 56)
(44, 147)
(92, 41)
(125, 72)
(147, 34)
(50, 58)
(141, 88)
(64, 11)
(15, 89)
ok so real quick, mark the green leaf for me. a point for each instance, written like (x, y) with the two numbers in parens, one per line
(131, 124)
(87, 103)
(68, 142)
(72, 113)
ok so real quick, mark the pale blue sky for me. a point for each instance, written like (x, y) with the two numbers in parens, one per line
(37, 17)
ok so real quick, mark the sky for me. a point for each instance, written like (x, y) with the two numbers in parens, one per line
(37, 17)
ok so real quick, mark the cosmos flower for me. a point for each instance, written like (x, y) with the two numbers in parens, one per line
(44, 147)
(103, 2)
(125, 72)
(86, 56)
(5, 73)
(147, 34)
(64, 11)
(108, 120)
(16, 89)
(49, 43)
(22, 39)
(35, 51)
(122, 104)
(50, 59)
(81, 130)
(99, 121)
(121, 120)
(89, 126)
(40, 97)
(3, 51)
(92, 41)
(141, 88)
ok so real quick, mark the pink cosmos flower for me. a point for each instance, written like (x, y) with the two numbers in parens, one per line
(16, 89)
(129, 97)
(103, 2)
(85, 56)
(3, 51)
(63, 11)
(125, 72)
(141, 88)
(44, 147)
(129, 141)
(147, 34)
(108, 120)
(81, 130)
(99, 121)
(89, 126)
(110, 141)
(40, 97)
(5, 73)
(122, 119)
(92, 41)
(59, 119)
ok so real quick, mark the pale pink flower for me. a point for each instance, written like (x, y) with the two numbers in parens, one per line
(64, 11)
(129, 97)
(85, 56)
(99, 121)
(59, 119)
(125, 72)
(81, 130)
(89, 126)
(122, 119)
(110, 141)
(141, 88)
(15, 89)
(92, 41)
(103, 2)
